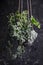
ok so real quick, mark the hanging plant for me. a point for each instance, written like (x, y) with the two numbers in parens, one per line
(21, 27)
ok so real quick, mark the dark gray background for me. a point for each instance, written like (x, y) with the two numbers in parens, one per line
(7, 6)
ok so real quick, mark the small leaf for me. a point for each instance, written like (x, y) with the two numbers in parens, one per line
(39, 26)
(35, 22)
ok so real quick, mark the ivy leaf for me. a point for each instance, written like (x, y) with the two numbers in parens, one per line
(35, 22)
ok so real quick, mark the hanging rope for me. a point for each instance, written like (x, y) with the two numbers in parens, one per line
(20, 8)
(30, 9)
(21, 5)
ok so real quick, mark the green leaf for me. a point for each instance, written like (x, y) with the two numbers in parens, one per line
(35, 22)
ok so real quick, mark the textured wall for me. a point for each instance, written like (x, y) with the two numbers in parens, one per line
(36, 55)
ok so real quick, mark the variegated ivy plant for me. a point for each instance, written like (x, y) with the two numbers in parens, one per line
(21, 27)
